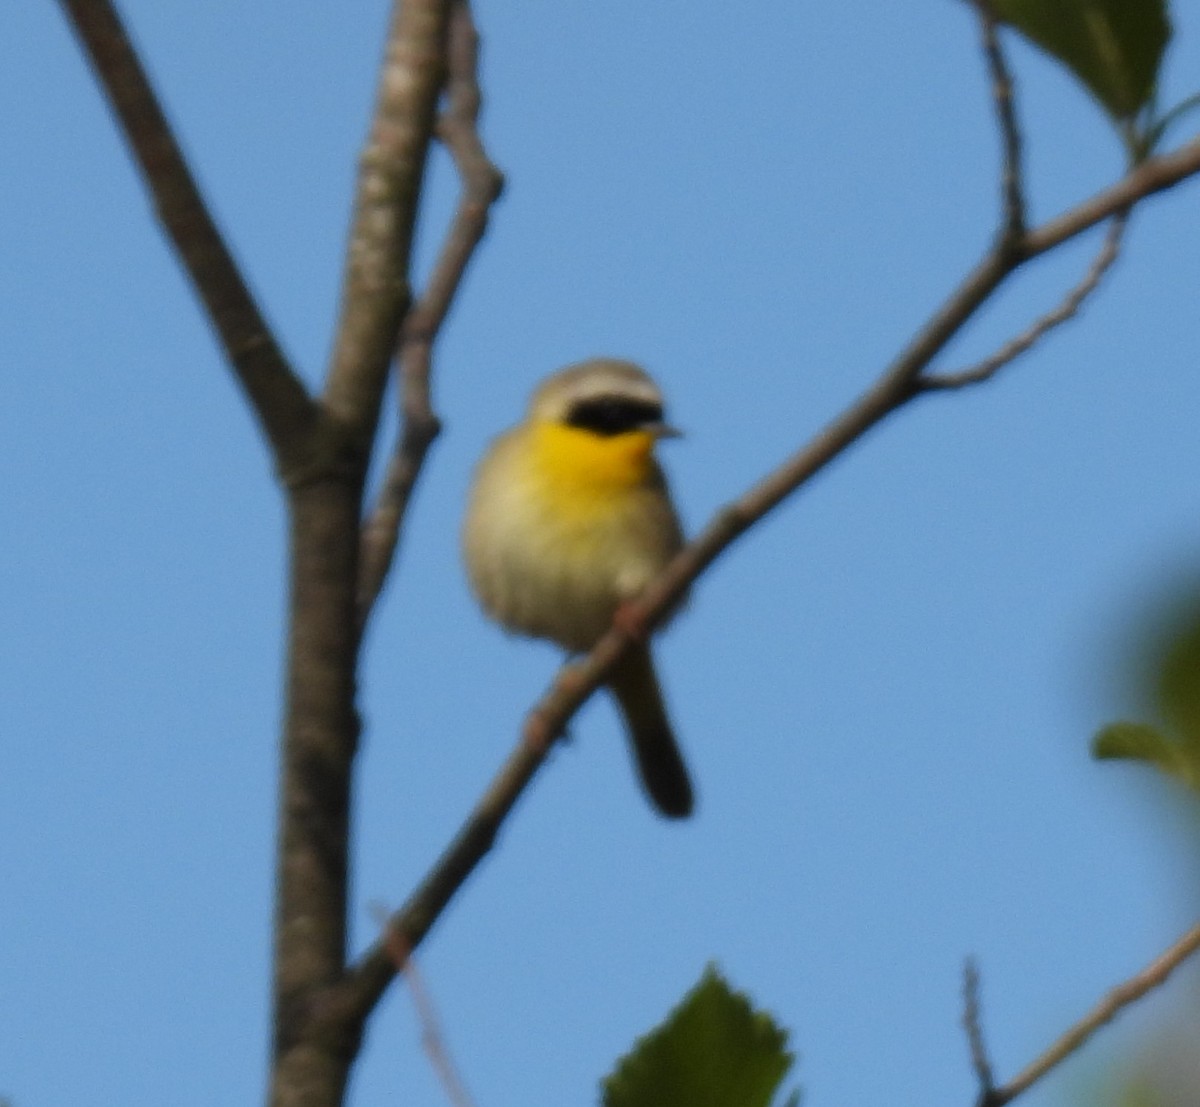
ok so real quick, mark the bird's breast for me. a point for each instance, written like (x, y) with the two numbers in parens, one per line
(565, 525)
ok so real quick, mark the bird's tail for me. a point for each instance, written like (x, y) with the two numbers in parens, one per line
(663, 773)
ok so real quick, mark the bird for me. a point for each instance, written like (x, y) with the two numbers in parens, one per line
(569, 517)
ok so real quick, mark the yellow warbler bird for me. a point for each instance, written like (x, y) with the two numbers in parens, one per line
(569, 517)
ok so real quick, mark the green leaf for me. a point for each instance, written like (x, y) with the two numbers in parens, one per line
(713, 1050)
(1114, 47)
(1135, 742)
(1178, 686)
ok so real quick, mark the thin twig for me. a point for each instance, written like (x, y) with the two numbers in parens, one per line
(457, 128)
(276, 394)
(366, 981)
(974, 1029)
(1012, 177)
(432, 1038)
(1119, 998)
(1026, 339)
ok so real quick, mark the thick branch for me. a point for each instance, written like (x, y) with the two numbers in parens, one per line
(375, 293)
(312, 1052)
(575, 683)
(278, 397)
(457, 127)
(320, 737)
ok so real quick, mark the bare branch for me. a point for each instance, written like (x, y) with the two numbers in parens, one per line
(574, 683)
(368, 980)
(1151, 176)
(1115, 203)
(313, 1046)
(1151, 977)
(1012, 178)
(432, 1037)
(974, 1029)
(1026, 339)
(375, 292)
(457, 128)
(276, 394)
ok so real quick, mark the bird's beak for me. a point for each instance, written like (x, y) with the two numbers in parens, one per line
(662, 430)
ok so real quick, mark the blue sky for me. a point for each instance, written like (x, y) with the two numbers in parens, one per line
(886, 692)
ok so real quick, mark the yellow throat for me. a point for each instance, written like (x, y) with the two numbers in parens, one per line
(589, 465)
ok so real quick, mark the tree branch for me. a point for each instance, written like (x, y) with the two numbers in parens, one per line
(1071, 303)
(457, 128)
(574, 683)
(375, 292)
(276, 394)
(974, 1029)
(1151, 176)
(1151, 977)
(1012, 175)
(432, 1037)
(313, 1052)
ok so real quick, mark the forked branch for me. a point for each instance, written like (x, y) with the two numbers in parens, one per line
(458, 129)
(1133, 989)
(1024, 341)
(314, 1048)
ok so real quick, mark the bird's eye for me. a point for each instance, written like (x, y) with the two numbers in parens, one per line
(613, 414)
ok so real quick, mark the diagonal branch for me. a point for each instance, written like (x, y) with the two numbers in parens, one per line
(1151, 977)
(1151, 176)
(278, 397)
(366, 981)
(1018, 345)
(432, 1037)
(457, 128)
(375, 291)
